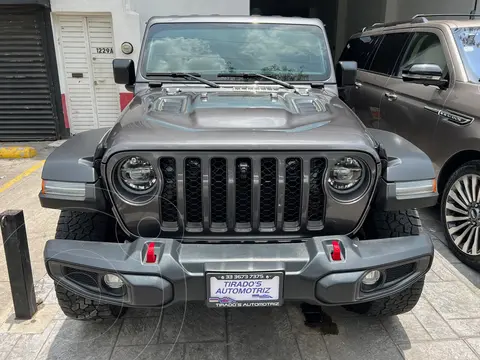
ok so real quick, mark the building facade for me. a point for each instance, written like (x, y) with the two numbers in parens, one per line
(62, 50)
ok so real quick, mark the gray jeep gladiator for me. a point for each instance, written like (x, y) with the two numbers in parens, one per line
(238, 178)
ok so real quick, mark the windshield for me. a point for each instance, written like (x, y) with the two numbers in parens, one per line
(468, 42)
(286, 52)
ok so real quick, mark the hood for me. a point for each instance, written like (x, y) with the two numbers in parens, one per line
(238, 120)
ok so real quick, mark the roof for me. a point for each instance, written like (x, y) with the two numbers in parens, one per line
(460, 23)
(421, 22)
(235, 19)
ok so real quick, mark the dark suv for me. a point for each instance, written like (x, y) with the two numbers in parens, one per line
(238, 178)
(420, 80)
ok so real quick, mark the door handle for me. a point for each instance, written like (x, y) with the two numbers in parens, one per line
(390, 96)
(358, 85)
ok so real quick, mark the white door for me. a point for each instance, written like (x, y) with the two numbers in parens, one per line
(86, 43)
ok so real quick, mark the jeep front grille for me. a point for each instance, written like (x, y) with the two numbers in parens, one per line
(242, 194)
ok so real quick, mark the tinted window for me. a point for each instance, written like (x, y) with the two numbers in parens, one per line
(290, 52)
(468, 42)
(425, 48)
(360, 50)
(388, 53)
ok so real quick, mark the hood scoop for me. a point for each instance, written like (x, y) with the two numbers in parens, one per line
(172, 105)
(241, 111)
(309, 106)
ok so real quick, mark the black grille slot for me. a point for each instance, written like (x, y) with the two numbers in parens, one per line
(193, 192)
(169, 193)
(399, 272)
(293, 191)
(243, 191)
(268, 192)
(218, 191)
(316, 199)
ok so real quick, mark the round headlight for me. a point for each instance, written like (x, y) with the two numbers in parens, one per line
(137, 175)
(347, 175)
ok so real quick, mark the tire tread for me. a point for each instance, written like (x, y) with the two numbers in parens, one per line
(391, 224)
(84, 226)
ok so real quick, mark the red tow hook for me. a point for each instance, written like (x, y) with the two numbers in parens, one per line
(337, 251)
(151, 258)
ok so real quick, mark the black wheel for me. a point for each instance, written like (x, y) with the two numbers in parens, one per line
(460, 212)
(75, 225)
(385, 224)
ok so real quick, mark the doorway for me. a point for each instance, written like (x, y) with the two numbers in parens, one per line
(87, 50)
(326, 10)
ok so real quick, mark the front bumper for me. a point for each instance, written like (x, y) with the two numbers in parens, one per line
(179, 272)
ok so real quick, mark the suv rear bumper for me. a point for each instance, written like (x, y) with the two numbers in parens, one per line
(179, 272)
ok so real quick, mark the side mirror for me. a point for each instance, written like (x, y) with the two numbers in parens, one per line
(124, 71)
(425, 74)
(346, 72)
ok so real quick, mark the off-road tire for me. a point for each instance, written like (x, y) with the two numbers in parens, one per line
(85, 226)
(79, 308)
(386, 224)
(470, 168)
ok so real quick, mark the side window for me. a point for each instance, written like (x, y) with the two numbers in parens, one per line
(360, 50)
(389, 52)
(425, 48)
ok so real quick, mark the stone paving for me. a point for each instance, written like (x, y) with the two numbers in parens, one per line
(444, 325)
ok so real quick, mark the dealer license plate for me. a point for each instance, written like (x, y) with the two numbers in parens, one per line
(244, 289)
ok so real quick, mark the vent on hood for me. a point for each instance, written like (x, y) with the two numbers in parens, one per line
(308, 106)
(171, 105)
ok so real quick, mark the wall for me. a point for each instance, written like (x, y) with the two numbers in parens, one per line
(125, 23)
(364, 13)
(149, 8)
(405, 9)
(355, 15)
(342, 17)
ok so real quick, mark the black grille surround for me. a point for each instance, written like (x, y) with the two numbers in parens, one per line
(168, 197)
(283, 196)
(268, 192)
(193, 193)
(218, 189)
(293, 192)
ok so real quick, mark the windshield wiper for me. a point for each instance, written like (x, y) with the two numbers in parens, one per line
(194, 76)
(255, 75)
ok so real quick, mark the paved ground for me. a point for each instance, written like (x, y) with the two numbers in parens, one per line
(444, 325)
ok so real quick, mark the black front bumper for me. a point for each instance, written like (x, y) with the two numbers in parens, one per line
(179, 273)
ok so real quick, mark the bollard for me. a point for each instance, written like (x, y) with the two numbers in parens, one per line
(12, 223)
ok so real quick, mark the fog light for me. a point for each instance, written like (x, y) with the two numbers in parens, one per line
(113, 281)
(371, 277)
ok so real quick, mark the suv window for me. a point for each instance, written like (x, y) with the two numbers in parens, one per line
(425, 48)
(360, 50)
(468, 43)
(389, 53)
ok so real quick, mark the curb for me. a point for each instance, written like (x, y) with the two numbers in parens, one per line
(16, 152)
